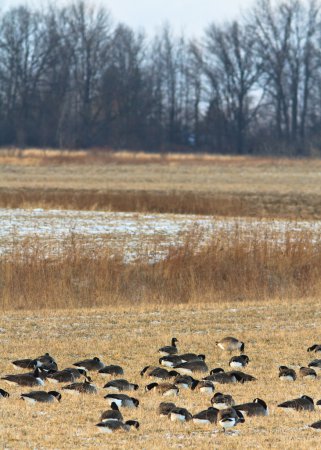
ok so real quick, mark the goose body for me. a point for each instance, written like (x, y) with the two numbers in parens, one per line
(230, 344)
(169, 349)
(121, 385)
(122, 400)
(222, 401)
(160, 372)
(170, 360)
(165, 389)
(239, 361)
(219, 376)
(184, 381)
(316, 425)
(113, 426)
(25, 379)
(315, 363)
(41, 397)
(93, 364)
(315, 348)
(190, 367)
(111, 370)
(256, 408)
(66, 375)
(4, 394)
(229, 418)
(112, 414)
(303, 403)
(241, 377)
(180, 415)
(203, 386)
(286, 374)
(81, 388)
(206, 417)
(307, 373)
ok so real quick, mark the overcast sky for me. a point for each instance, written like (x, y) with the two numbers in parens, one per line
(189, 16)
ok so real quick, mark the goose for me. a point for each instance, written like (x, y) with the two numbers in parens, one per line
(111, 370)
(222, 401)
(92, 365)
(318, 403)
(241, 377)
(112, 426)
(229, 418)
(186, 357)
(188, 368)
(316, 425)
(158, 372)
(121, 385)
(112, 414)
(230, 344)
(303, 403)
(41, 397)
(81, 388)
(25, 379)
(184, 381)
(256, 408)
(219, 376)
(122, 400)
(165, 408)
(207, 416)
(314, 348)
(315, 363)
(203, 386)
(4, 394)
(33, 363)
(178, 414)
(66, 375)
(165, 389)
(169, 349)
(307, 373)
(239, 361)
(286, 374)
(170, 360)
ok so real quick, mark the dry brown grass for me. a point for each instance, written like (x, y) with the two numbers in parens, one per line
(90, 273)
(274, 332)
(197, 184)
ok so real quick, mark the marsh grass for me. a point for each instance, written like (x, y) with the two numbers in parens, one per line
(83, 272)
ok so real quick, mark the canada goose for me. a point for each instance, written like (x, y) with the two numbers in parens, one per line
(113, 426)
(25, 379)
(93, 364)
(186, 357)
(81, 388)
(318, 403)
(256, 408)
(228, 418)
(66, 375)
(222, 401)
(307, 373)
(170, 360)
(314, 348)
(165, 408)
(180, 415)
(239, 361)
(241, 377)
(203, 386)
(169, 349)
(188, 368)
(121, 385)
(4, 394)
(122, 400)
(165, 389)
(111, 370)
(230, 344)
(184, 381)
(207, 416)
(286, 374)
(147, 370)
(112, 414)
(159, 372)
(41, 397)
(219, 376)
(303, 403)
(315, 363)
(316, 425)
(33, 363)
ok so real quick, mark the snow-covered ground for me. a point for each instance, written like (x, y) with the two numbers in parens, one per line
(135, 231)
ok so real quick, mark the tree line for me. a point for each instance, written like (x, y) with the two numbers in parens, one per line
(70, 77)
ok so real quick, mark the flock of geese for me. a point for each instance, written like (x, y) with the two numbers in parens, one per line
(174, 373)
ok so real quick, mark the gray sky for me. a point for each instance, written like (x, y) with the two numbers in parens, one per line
(190, 16)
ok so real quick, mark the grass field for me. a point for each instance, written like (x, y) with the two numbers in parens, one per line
(230, 186)
(275, 333)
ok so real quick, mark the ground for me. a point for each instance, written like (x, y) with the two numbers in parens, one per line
(275, 333)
